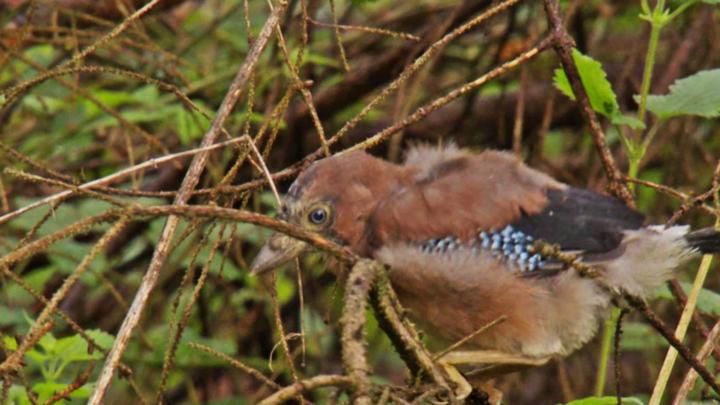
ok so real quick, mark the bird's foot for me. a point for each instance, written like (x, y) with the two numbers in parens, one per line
(498, 363)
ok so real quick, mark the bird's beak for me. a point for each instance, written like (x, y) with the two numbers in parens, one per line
(278, 250)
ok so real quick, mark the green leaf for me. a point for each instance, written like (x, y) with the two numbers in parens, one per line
(599, 90)
(629, 120)
(640, 337)
(46, 390)
(10, 343)
(698, 94)
(711, 1)
(600, 93)
(605, 401)
(563, 84)
(708, 301)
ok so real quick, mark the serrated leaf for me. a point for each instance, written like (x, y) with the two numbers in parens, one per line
(698, 94)
(563, 84)
(600, 93)
(599, 90)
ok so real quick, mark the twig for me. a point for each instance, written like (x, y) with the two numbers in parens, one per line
(689, 381)
(60, 294)
(280, 328)
(293, 390)
(417, 64)
(680, 331)
(426, 109)
(13, 362)
(683, 350)
(177, 330)
(697, 321)
(563, 44)
(519, 114)
(403, 335)
(372, 30)
(570, 260)
(112, 178)
(338, 38)
(33, 163)
(236, 363)
(618, 366)
(191, 179)
(264, 170)
(639, 305)
(498, 320)
(354, 357)
(62, 315)
(79, 381)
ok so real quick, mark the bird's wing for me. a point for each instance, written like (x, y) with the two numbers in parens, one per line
(466, 197)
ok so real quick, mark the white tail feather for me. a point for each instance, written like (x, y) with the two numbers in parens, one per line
(650, 257)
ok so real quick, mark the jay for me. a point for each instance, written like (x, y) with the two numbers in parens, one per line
(456, 229)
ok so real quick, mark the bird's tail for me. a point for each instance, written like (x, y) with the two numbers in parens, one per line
(649, 256)
(706, 240)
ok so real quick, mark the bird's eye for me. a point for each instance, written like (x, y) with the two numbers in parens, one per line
(318, 216)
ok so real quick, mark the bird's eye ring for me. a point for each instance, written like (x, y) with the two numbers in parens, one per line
(318, 216)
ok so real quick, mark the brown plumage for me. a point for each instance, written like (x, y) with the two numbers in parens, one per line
(454, 228)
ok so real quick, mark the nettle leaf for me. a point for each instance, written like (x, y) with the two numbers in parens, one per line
(600, 93)
(698, 94)
(598, 88)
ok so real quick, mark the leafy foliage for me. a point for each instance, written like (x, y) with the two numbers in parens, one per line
(698, 94)
(117, 121)
(599, 90)
(57, 360)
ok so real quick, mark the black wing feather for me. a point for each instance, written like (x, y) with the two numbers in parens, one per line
(582, 220)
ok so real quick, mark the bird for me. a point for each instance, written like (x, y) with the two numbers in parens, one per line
(457, 230)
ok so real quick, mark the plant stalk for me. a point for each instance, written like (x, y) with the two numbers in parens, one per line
(657, 21)
(605, 346)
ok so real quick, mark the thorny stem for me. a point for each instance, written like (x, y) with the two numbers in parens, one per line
(402, 333)
(354, 356)
(192, 177)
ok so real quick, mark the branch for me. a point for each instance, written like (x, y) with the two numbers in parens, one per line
(112, 178)
(354, 356)
(682, 349)
(293, 390)
(563, 44)
(162, 249)
(402, 333)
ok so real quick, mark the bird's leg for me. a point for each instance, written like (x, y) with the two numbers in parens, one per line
(498, 362)
(490, 357)
(462, 387)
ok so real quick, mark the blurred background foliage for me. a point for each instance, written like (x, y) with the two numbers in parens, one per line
(87, 124)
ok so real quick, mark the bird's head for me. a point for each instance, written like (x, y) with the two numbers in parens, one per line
(335, 198)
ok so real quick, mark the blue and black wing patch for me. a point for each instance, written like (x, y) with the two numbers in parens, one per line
(576, 220)
(581, 220)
